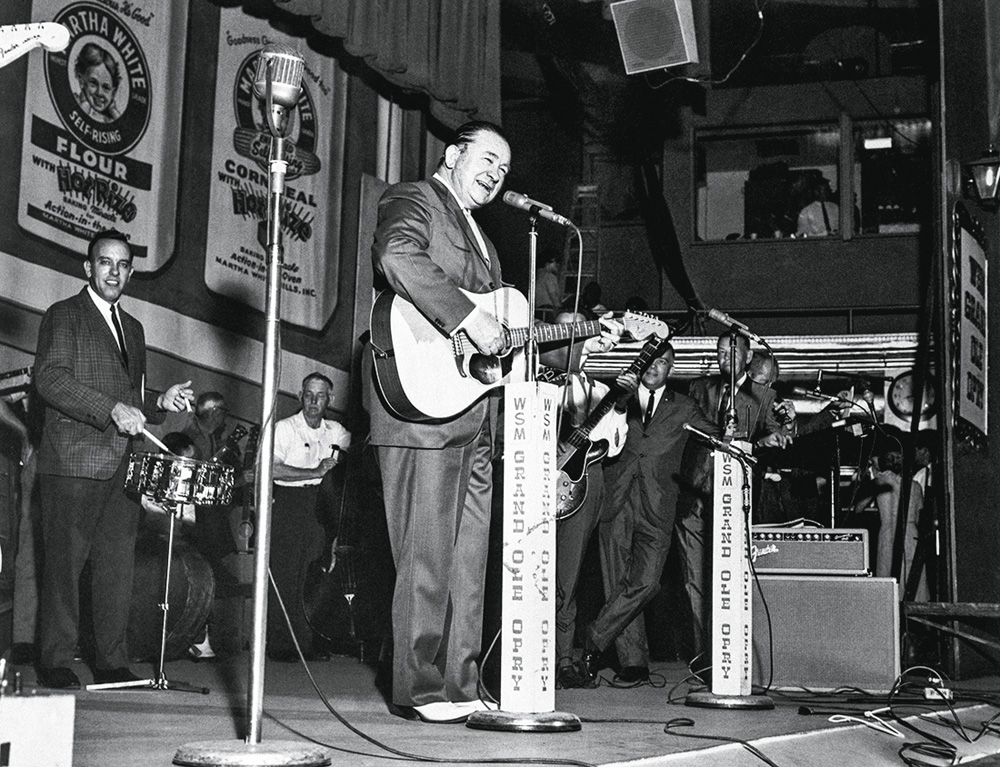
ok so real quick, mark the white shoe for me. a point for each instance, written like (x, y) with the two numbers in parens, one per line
(442, 712)
(477, 705)
(201, 651)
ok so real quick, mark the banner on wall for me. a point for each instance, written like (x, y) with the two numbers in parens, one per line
(101, 126)
(971, 328)
(235, 263)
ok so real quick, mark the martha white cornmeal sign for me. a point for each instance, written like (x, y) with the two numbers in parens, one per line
(101, 126)
(235, 263)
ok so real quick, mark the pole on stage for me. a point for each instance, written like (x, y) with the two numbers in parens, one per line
(527, 646)
(278, 83)
(731, 584)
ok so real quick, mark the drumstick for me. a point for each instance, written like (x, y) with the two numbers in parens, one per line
(156, 440)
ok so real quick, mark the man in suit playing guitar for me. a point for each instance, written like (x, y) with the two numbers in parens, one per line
(437, 477)
(90, 371)
(638, 519)
(580, 397)
(761, 424)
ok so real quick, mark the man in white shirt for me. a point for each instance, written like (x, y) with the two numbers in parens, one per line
(306, 448)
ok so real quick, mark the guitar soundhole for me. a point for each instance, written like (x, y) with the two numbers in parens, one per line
(485, 368)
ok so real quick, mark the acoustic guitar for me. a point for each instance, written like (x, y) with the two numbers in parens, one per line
(425, 375)
(576, 453)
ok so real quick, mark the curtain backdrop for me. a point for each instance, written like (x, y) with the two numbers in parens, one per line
(447, 49)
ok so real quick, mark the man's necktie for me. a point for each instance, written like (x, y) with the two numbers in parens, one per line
(650, 407)
(723, 405)
(118, 332)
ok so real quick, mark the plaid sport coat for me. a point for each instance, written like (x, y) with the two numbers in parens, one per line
(81, 376)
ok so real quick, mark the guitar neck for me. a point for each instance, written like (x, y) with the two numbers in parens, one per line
(581, 434)
(549, 333)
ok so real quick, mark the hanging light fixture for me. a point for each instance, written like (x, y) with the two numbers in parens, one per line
(985, 174)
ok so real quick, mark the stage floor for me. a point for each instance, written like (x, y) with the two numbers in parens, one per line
(125, 728)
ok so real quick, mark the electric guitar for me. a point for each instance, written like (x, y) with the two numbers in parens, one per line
(424, 375)
(18, 39)
(576, 453)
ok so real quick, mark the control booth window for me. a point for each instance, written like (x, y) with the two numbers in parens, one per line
(784, 182)
(767, 183)
(892, 167)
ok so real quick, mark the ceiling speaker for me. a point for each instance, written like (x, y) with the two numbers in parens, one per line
(654, 34)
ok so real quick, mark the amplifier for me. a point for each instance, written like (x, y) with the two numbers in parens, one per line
(809, 550)
(826, 633)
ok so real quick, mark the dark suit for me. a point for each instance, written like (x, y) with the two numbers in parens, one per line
(756, 420)
(83, 458)
(638, 520)
(437, 478)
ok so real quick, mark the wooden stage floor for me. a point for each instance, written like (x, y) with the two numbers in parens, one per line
(126, 728)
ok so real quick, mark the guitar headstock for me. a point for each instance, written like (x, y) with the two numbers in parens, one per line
(18, 39)
(641, 326)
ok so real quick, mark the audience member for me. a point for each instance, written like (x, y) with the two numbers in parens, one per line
(820, 216)
(548, 291)
(888, 478)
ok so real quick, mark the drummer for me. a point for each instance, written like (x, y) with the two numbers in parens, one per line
(157, 513)
(90, 371)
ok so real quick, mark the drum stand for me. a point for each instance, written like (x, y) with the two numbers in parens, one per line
(160, 681)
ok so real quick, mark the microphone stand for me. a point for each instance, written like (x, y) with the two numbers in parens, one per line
(252, 752)
(731, 419)
(263, 493)
(531, 346)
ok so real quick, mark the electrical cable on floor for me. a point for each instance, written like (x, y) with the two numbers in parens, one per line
(671, 729)
(935, 749)
(396, 753)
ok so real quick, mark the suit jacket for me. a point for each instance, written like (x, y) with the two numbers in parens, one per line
(652, 451)
(425, 250)
(81, 376)
(755, 418)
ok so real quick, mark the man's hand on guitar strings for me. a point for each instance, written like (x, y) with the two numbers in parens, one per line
(611, 335)
(485, 332)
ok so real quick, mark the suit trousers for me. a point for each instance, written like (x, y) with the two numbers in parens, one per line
(572, 536)
(85, 519)
(437, 504)
(693, 541)
(297, 539)
(634, 544)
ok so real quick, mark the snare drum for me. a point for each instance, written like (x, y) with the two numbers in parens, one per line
(179, 479)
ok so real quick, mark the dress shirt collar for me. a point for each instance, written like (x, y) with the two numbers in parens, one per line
(448, 186)
(100, 303)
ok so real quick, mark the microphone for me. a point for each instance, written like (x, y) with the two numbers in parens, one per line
(285, 66)
(537, 208)
(869, 396)
(816, 394)
(718, 444)
(725, 319)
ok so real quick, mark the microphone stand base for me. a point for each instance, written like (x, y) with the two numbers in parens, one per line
(705, 699)
(228, 753)
(519, 721)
